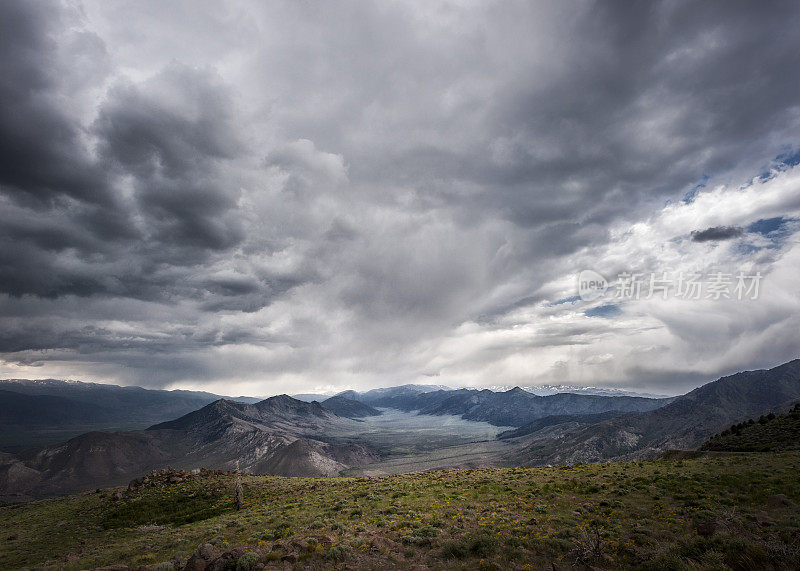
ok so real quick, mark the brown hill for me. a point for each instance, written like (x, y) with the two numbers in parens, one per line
(279, 436)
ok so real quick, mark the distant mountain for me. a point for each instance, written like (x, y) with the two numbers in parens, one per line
(544, 390)
(349, 408)
(685, 423)
(515, 407)
(34, 411)
(769, 433)
(379, 397)
(406, 397)
(279, 435)
(38, 412)
(309, 397)
(371, 395)
(558, 420)
(279, 412)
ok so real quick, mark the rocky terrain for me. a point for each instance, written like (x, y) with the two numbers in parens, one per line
(684, 423)
(279, 435)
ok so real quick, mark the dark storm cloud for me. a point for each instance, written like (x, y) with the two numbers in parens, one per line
(42, 160)
(716, 234)
(66, 225)
(171, 152)
(306, 189)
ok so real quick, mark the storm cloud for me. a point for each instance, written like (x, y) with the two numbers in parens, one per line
(716, 233)
(282, 197)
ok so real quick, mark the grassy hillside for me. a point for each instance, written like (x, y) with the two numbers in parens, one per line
(723, 511)
(767, 433)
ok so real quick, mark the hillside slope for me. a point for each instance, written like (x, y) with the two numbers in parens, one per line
(558, 420)
(723, 512)
(279, 435)
(517, 407)
(767, 433)
(349, 408)
(685, 423)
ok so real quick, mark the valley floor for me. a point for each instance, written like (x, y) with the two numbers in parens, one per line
(738, 511)
(411, 442)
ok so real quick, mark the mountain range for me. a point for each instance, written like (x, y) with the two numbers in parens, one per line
(514, 407)
(286, 436)
(349, 408)
(40, 412)
(279, 435)
(684, 423)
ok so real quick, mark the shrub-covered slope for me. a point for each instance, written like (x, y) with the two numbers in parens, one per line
(769, 432)
(725, 511)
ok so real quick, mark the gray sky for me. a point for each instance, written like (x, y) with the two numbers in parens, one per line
(253, 198)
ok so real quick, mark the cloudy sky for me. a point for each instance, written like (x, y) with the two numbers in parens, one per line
(266, 197)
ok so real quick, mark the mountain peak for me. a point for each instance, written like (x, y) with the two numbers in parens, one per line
(352, 395)
(349, 408)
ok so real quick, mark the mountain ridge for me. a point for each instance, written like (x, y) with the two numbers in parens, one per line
(37, 412)
(279, 435)
(348, 407)
(683, 424)
(514, 407)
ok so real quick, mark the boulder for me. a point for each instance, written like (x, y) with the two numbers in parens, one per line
(195, 563)
(778, 501)
(764, 520)
(707, 528)
(300, 544)
(207, 552)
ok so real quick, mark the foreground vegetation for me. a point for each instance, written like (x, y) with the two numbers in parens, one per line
(724, 511)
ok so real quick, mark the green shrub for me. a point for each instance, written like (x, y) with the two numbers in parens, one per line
(337, 552)
(246, 561)
(426, 531)
(479, 544)
(177, 508)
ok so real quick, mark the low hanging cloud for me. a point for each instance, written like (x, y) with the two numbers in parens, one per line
(255, 198)
(716, 234)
